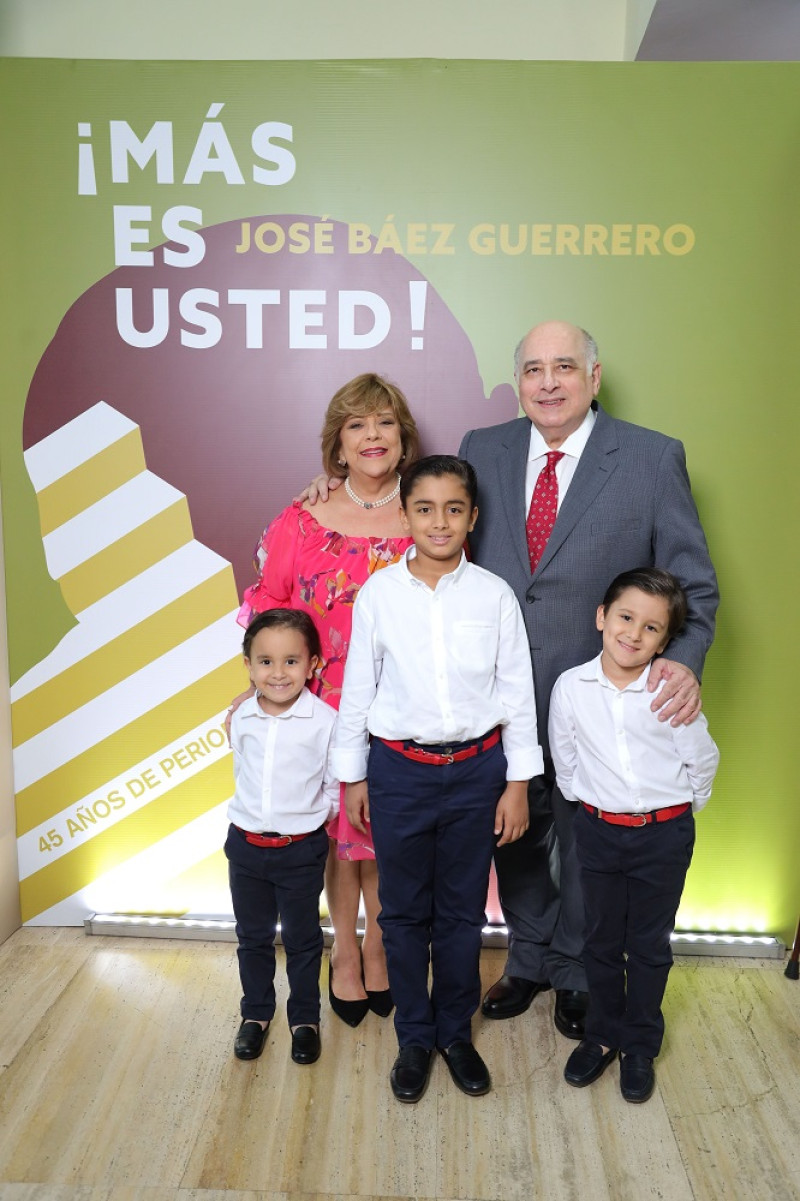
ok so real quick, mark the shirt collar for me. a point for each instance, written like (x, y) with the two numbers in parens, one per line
(573, 445)
(302, 707)
(447, 581)
(593, 673)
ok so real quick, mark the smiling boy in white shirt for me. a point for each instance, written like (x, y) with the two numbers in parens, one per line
(277, 845)
(638, 782)
(439, 676)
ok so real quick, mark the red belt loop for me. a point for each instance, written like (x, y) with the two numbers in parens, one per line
(272, 840)
(410, 751)
(637, 819)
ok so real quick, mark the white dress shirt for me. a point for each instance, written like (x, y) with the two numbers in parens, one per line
(437, 666)
(611, 751)
(572, 448)
(282, 767)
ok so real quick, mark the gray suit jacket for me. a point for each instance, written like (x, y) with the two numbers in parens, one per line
(629, 505)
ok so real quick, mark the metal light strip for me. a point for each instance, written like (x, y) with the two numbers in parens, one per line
(743, 946)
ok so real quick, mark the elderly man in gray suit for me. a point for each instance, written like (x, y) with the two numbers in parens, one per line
(620, 498)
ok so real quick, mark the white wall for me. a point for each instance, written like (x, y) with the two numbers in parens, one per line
(264, 29)
(638, 16)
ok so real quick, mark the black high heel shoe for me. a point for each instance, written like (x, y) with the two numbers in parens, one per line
(351, 1012)
(380, 1002)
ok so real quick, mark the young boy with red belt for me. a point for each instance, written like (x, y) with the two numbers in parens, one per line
(437, 740)
(638, 782)
(277, 846)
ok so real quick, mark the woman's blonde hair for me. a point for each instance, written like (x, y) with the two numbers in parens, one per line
(361, 397)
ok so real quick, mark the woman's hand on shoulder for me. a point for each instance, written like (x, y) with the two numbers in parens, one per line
(319, 489)
(235, 703)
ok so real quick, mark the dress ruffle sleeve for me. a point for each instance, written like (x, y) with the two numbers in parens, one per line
(275, 560)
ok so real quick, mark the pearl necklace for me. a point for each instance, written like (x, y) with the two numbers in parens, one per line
(372, 504)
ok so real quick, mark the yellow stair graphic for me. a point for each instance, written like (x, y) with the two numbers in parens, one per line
(117, 732)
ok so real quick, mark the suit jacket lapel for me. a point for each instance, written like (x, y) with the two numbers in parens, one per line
(511, 486)
(595, 467)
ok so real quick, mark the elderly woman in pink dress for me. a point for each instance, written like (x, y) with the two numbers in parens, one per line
(368, 437)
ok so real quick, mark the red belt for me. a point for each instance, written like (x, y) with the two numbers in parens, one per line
(271, 839)
(637, 819)
(412, 750)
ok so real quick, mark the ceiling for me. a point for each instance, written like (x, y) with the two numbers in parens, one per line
(703, 30)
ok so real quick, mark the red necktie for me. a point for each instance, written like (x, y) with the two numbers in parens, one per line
(544, 506)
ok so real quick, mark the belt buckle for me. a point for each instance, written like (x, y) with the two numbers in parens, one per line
(642, 819)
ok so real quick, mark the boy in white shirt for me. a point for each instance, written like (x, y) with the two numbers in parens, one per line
(439, 677)
(638, 782)
(277, 845)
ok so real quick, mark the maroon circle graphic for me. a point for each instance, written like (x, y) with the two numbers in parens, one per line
(239, 355)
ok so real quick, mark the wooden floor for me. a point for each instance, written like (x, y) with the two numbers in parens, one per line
(117, 1083)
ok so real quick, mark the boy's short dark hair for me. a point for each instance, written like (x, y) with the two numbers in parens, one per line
(284, 619)
(655, 582)
(438, 466)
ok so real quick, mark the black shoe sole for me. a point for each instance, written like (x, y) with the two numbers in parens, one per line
(494, 1016)
(304, 1059)
(409, 1100)
(639, 1100)
(246, 1056)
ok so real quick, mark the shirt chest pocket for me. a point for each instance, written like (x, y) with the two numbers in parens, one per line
(473, 644)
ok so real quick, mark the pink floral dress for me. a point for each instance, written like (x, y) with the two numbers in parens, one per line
(303, 565)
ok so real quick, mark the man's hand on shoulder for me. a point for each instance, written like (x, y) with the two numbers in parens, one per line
(678, 702)
(319, 489)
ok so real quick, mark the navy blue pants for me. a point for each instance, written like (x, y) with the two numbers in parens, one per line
(433, 830)
(539, 888)
(632, 879)
(268, 883)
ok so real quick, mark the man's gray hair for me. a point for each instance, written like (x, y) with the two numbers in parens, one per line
(591, 353)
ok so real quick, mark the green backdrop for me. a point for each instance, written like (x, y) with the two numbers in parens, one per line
(501, 163)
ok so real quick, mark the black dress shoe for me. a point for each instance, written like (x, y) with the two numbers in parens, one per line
(410, 1072)
(380, 1002)
(587, 1063)
(250, 1039)
(352, 1012)
(570, 1012)
(467, 1068)
(510, 996)
(306, 1045)
(637, 1079)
